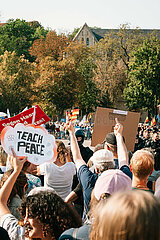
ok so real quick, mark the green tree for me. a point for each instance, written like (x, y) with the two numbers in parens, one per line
(84, 63)
(112, 57)
(142, 91)
(18, 35)
(73, 34)
(17, 77)
(89, 98)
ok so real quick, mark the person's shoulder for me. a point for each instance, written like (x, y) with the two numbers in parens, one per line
(86, 174)
(69, 165)
(76, 233)
(125, 169)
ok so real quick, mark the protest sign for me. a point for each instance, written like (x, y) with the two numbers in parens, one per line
(105, 122)
(30, 141)
(26, 118)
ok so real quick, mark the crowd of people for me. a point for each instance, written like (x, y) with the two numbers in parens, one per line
(106, 194)
(59, 130)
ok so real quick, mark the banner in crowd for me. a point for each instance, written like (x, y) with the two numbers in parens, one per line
(75, 111)
(105, 122)
(26, 117)
(30, 141)
(153, 121)
(146, 120)
(72, 115)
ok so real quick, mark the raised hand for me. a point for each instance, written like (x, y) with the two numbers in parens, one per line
(70, 127)
(118, 127)
(17, 162)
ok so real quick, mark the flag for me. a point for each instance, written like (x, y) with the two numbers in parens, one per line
(153, 121)
(75, 111)
(73, 118)
(2, 114)
(89, 116)
(147, 120)
(8, 113)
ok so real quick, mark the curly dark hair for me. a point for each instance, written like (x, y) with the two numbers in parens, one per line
(61, 151)
(54, 214)
(19, 185)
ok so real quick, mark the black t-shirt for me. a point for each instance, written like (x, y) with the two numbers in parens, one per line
(86, 152)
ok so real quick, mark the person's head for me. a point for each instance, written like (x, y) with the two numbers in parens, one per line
(146, 134)
(142, 164)
(102, 160)
(80, 136)
(133, 215)
(3, 156)
(111, 181)
(97, 148)
(19, 186)
(61, 152)
(155, 136)
(46, 214)
(111, 143)
(108, 183)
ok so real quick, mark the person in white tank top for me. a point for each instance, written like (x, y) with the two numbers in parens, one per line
(59, 174)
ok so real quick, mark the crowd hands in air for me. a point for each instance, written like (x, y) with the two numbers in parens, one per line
(110, 193)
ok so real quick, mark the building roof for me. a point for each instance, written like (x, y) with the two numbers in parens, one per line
(100, 33)
(1, 24)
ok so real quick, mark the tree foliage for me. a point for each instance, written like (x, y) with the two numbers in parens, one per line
(17, 76)
(59, 84)
(84, 63)
(52, 46)
(18, 35)
(142, 91)
(73, 34)
(112, 57)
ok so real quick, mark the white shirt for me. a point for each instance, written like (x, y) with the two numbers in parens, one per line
(10, 223)
(59, 178)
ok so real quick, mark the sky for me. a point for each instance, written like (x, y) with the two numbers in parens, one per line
(65, 15)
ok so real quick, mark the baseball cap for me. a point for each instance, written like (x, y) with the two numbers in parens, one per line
(111, 181)
(102, 156)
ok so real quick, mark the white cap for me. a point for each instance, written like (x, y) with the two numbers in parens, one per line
(102, 156)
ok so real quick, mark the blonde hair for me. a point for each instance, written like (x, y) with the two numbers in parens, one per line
(133, 215)
(142, 163)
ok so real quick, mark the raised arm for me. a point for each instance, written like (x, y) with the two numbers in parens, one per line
(6, 189)
(77, 158)
(121, 147)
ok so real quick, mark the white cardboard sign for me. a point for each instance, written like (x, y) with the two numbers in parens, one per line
(30, 141)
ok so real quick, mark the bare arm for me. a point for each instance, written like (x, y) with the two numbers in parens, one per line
(121, 147)
(71, 197)
(78, 160)
(6, 189)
